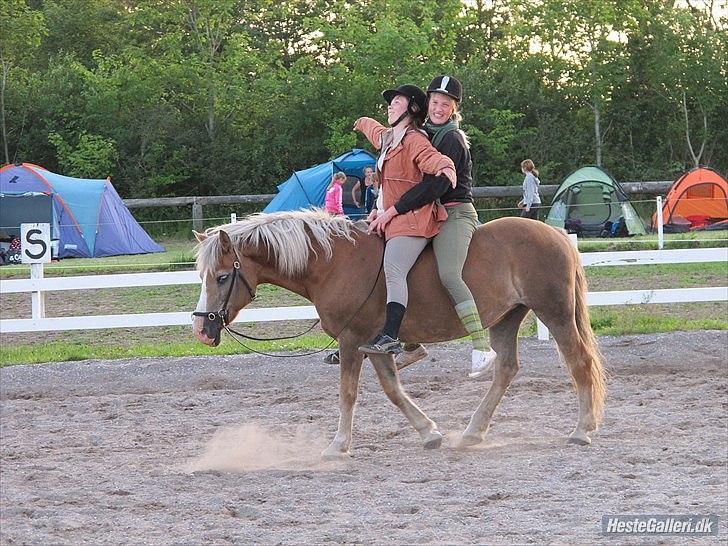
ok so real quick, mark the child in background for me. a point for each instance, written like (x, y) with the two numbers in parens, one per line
(531, 201)
(333, 203)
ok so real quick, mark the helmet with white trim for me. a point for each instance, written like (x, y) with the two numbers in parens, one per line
(447, 85)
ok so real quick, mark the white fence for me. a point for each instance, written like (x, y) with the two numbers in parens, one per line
(39, 322)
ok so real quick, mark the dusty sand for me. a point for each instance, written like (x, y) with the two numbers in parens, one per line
(221, 451)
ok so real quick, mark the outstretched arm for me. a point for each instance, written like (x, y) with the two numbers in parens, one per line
(371, 129)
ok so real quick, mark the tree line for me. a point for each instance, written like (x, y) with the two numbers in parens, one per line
(213, 97)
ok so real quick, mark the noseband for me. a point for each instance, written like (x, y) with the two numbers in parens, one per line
(221, 316)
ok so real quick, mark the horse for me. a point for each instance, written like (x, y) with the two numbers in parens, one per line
(514, 265)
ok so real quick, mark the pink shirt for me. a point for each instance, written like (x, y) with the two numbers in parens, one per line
(333, 200)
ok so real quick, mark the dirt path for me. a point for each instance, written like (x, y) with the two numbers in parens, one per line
(208, 451)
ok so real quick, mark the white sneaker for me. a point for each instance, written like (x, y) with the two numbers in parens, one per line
(482, 362)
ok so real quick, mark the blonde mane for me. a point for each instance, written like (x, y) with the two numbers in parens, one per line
(289, 237)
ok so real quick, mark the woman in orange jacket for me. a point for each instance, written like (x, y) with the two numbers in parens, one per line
(405, 156)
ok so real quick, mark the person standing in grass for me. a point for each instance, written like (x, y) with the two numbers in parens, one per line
(368, 191)
(531, 201)
(333, 203)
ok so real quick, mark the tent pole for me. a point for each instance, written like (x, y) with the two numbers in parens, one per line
(660, 234)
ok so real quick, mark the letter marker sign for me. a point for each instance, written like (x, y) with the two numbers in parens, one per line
(35, 249)
(35, 243)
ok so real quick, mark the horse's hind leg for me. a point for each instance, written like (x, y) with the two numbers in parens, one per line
(504, 339)
(584, 365)
(579, 361)
(349, 372)
(389, 379)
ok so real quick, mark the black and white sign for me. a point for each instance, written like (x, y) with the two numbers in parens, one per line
(35, 243)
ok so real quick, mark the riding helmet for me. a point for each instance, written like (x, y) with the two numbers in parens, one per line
(447, 85)
(414, 94)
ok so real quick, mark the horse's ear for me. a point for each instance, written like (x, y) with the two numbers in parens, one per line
(199, 236)
(226, 244)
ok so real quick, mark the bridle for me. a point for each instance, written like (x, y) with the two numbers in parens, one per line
(222, 316)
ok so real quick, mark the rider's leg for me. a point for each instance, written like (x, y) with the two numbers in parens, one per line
(400, 255)
(451, 250)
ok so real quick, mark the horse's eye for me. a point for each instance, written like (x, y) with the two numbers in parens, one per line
(222, 278)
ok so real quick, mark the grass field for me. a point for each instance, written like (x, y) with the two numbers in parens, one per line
(177, 341)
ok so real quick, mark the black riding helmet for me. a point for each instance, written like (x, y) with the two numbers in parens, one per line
(415, 95)
(447, 85)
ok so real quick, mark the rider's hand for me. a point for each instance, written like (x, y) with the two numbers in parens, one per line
(372, 215)
(380, 223)
(451, 175)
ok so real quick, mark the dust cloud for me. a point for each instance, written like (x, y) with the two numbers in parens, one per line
(254, 447)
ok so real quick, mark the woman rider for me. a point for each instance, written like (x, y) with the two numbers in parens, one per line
(406, 155)
(450, 245)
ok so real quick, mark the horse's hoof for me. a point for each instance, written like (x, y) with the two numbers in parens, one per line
(434, 440)
(579, 438)
(467, 440)
(334, 455)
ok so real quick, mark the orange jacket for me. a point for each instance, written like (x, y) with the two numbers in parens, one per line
(403, 167)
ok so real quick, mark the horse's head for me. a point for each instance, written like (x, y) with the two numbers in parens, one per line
(227, 286)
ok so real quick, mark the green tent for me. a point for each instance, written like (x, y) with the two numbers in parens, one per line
(589, 198)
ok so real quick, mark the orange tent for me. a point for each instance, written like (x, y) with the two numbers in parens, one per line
(698, 199)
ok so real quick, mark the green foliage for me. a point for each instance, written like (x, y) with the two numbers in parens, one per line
(93, 156)
(22, 30)
(341, 138)
(210, 97)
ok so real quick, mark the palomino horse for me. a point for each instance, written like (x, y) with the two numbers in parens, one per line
(513, 265)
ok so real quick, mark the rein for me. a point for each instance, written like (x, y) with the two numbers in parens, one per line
(222, 316)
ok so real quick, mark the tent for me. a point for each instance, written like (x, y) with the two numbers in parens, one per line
(87, 217)
(307, 188)
(589, 198)
(698, 199)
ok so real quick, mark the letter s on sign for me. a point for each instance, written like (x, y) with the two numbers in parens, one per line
(32, 240)
(35, 243)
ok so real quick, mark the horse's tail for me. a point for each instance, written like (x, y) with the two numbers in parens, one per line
(594, 367)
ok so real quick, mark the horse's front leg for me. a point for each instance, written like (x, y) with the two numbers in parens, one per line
(389, 378)
(349, 372)
(504, 338)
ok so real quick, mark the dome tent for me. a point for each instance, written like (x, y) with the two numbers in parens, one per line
(698, 199)
(307, 188)
(87, 217)
(589, 198)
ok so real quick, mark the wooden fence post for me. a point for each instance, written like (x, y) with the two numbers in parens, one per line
(197, 217)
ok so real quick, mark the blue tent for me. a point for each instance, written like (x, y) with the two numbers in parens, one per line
(87, 217)
(307, 188)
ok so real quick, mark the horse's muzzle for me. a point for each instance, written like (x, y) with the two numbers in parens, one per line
(206, 331)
